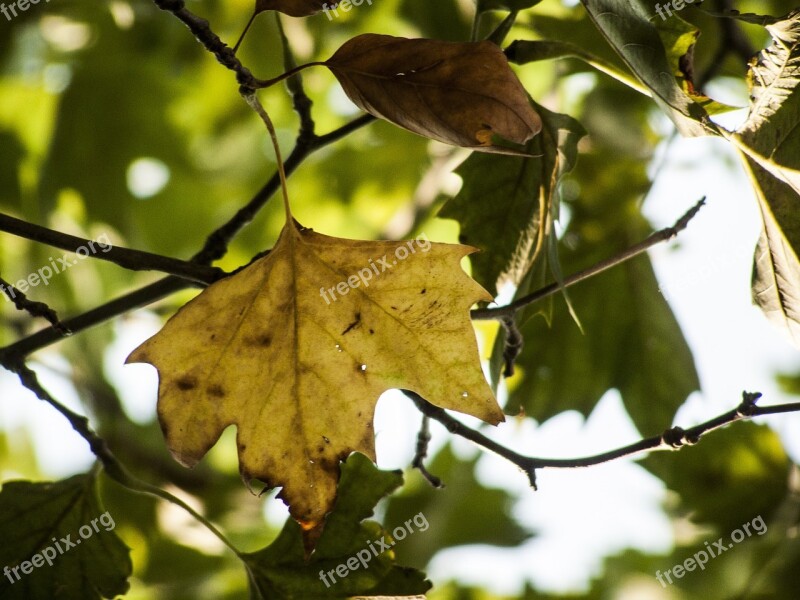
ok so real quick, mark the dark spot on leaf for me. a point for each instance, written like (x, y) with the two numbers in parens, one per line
(423, 290)
(327, 441)
(216, 390)
(372, 332)
(264, 340)
(321, 449)
(186, 383)
(242, 447)
(354, 324)
(393, 307)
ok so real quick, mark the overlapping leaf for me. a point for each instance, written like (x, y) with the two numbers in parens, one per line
(631, 339)
(628, 27)
(296, 349)
(746, 460)
(281, 571)
(514, 195)
(770, 144)
(86, 566)
(460, 93)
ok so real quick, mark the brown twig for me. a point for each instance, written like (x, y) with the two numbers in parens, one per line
(423, 439)
(502, 312)
(134, 260)
(671, 439)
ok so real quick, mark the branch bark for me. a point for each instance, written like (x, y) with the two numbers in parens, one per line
(674, 438)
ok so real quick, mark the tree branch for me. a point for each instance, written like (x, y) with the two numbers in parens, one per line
(35, 309)
(504, 312)
(134, 260)
(672, 439)
(112, 467)
(210, 40)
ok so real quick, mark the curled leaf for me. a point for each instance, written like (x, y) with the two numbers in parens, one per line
(460, 93)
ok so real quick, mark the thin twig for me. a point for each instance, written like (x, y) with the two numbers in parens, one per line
(502, 312)
(210, 40)
(134, 260)
(672, 439)
(423, 439)
(300, 100)
(112, 467)
(35, 309)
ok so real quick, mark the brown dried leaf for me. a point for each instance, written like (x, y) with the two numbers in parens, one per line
(460, 93)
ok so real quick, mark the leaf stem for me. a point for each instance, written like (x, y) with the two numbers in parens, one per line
(251, 99)
(246, 29)
(265, 83)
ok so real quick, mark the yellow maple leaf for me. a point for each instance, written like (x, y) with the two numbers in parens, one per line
(296, 349)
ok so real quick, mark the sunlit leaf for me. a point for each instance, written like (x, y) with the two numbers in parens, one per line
(296, 349)
(629, 28)
(771, 148)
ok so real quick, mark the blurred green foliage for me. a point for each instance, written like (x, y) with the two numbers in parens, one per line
(98, 100)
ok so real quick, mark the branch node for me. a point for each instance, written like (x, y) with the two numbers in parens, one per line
(513, 344)
(748, 407)
(531, 473)
(676, 438)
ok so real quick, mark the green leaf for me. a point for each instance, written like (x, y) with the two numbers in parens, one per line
(627, 26)
(632, 341)
(484, 5)
(769, 136)
(776, 268)
(441, 20)
(734, 475)
(515, 196)
(62, 521)
(521, 52)
(770, 147)
(463, 512)
(280, 570)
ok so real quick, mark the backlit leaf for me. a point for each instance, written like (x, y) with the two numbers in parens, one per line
(296, 349)
(771, 151)
(281, 572)
(514, 195)
(460, 93)
(629, 28)
(61, 520)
